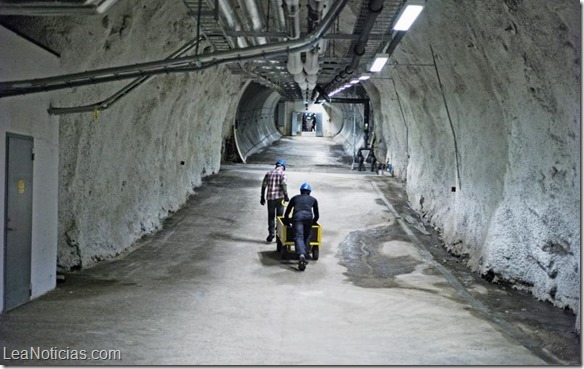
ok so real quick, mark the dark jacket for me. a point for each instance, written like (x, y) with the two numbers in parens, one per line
(302, 204)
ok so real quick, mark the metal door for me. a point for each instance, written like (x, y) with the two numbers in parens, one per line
(293, 125)
(318, 128)
(18, 228)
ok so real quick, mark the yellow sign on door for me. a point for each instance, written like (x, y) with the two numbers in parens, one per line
(20, 186)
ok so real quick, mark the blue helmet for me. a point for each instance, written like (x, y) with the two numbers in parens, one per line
(305, 187)
(281, 163)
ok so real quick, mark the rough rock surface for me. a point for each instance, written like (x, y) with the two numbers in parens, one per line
(490, 105)
(482, 97)
(124, 170)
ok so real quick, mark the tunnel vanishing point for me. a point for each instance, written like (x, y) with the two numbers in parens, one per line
(113, 112)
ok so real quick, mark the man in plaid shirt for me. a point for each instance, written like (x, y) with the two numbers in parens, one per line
(275, 183)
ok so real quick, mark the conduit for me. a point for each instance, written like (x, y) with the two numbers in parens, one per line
(294, 64)
(280, 17)
(37, 8)
(107, 103)
(375, 8)
(232, 22)
(177, 65)
(257, 24)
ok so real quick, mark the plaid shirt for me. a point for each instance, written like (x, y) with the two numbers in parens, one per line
(274, 180)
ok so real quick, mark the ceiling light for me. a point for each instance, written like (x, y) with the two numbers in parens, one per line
(379, 62)
(353, 81)
(408, 15)
(365, 77)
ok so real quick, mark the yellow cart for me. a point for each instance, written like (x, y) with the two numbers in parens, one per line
(285, 238)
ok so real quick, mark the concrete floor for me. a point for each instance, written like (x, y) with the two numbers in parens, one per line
(209, 290)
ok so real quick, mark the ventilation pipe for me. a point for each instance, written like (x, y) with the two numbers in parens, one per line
(232, 21)
(257, 24)
(311, 67)
(294, 65)
(280, 18)
(317, 9)
(54, 8)
(178, 65)
(375, 8)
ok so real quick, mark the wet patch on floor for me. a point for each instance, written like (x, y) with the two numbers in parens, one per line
(375, 256)
(550, 330)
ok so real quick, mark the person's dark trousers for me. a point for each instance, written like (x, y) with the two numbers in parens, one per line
(275, 207)
(302, 226)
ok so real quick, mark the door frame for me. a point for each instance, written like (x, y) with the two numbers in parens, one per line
(10, 135)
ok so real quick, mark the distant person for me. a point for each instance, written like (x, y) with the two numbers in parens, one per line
(275, 184)
(305, 215)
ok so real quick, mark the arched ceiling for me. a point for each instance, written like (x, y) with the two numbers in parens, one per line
(233, 25)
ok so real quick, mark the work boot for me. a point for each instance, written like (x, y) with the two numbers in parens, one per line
(302, 262)
(269, 238)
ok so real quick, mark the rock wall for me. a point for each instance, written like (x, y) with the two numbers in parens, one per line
(490, 105)
(125, 169)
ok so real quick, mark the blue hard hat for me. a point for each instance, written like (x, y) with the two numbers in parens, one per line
(305, 187)
(281, 163)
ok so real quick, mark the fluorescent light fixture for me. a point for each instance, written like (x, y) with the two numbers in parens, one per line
(380, 60)
(347, 85)
(408, 15)
(365, 77)
(354, 81)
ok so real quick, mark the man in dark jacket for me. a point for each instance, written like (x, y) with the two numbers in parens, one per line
(304, 206)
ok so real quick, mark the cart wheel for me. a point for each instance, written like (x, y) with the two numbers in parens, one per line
(314, 252)
(278, 245)
(284, 252)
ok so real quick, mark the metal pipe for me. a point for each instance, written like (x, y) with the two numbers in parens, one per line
(294, 65)
(232, 22)
(375, 8)
(107, 103)
(36, 8)
(177, 65)
(257, 23)
(280, 17)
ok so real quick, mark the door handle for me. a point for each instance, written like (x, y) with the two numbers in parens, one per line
(10, 229)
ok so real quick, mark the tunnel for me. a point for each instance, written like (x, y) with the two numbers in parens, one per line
(137, 134)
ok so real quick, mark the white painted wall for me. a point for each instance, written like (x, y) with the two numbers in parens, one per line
(28, 116)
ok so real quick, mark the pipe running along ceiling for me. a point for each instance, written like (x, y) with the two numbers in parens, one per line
(302, 49)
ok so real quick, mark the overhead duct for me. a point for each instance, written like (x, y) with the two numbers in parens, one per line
(107, 103)
(55, 8)
(279, 17)
(375, 8)
(257, 24)
(177, 65)
(311, 66)
(232, 22)
(295, 66)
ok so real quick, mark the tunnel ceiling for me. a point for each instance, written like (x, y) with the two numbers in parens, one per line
(227, 25)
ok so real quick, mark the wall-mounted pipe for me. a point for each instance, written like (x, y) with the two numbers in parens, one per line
(37, 8)
(177, 65)
(110, 101)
